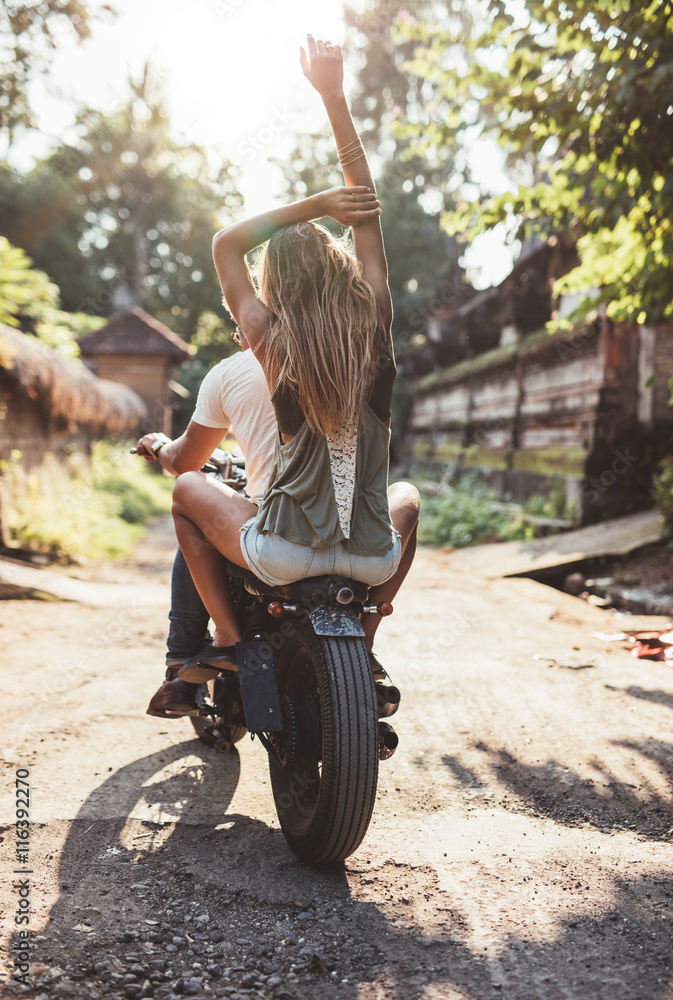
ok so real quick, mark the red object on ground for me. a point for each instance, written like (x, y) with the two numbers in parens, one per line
(648, 646)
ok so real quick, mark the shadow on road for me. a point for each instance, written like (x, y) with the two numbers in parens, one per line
(657, 696)
(606, 802)
(217, 900)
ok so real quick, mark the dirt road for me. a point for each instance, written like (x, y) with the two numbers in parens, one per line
(520, 847)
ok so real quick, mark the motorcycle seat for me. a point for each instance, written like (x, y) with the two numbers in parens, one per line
(314, 589)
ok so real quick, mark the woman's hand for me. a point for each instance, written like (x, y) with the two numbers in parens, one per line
(323, 67)
(350, 206)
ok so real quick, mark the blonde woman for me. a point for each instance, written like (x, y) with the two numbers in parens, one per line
(318, 320)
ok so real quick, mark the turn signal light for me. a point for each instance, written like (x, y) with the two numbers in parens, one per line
(384, 609)
(276, 609)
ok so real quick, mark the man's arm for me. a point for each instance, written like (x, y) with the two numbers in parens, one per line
(188, 453)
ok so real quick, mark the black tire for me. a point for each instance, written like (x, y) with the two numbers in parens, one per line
(203, 726)
(324, 767)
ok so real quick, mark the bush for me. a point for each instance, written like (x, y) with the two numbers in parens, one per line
(554, 505)
(662, 493)
(466, 514)
(81, 508)
(139, 493)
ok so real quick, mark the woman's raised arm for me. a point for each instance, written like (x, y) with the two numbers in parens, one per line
(323, 68)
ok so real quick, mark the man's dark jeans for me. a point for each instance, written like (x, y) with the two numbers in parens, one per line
(188, 617)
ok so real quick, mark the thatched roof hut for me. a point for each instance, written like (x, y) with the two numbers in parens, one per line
(70, 397)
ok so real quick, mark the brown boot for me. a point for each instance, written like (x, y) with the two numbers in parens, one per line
(174, 698)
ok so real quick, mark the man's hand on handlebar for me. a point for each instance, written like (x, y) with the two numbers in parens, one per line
(149, 445)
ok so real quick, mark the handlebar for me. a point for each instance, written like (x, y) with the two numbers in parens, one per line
(228, 466)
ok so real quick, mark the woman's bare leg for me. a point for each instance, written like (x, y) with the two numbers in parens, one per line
(405, 504)
(208, 516)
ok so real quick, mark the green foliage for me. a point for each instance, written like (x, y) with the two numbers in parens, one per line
(414, 189)
(60, 330)
(23, 290)
(82, 509)
(387, 89)
(125, 206)
(138, 493)
(42, 213)
(466, 514)
(213, 339)
(29, 300)
(662, 493)
(579, 97)
(29, 32)
(554, 505)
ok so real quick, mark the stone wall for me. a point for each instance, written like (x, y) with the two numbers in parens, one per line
(554, 411)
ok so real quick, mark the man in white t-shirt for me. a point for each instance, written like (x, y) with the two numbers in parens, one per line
(233, 395)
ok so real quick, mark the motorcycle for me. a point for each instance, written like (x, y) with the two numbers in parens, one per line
(306, 689)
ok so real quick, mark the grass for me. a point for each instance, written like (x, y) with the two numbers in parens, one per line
(81, 509)
(471, 512)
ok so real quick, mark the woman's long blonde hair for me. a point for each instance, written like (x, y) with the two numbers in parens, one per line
(321, 339)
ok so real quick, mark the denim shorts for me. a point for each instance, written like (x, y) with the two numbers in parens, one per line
(278, 562)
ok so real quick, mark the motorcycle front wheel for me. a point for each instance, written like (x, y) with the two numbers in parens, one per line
(324, 765)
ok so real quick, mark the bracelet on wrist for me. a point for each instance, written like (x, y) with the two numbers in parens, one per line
(351, 158)
(349, 146)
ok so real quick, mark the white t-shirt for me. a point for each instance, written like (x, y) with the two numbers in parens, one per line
(234, 394)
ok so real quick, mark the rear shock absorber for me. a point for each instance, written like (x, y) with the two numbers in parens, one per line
(258, 622)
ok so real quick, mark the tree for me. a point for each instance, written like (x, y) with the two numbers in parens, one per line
(126, 207)
(28, 33)
(419, 253)
(424, 265)
(41, 214)
(30, 301)
(387, 88)
(23, 290)
(579, 97)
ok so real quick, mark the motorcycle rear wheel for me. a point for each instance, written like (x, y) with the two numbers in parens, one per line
(324, 766)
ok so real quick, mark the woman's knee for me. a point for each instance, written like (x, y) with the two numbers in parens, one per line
(404, 497)
(405, 504)
(183, 490)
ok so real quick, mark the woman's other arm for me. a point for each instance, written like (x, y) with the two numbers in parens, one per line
(323, 67)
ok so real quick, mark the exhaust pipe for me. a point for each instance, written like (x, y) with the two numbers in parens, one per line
(387, 699)
(388, 740)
